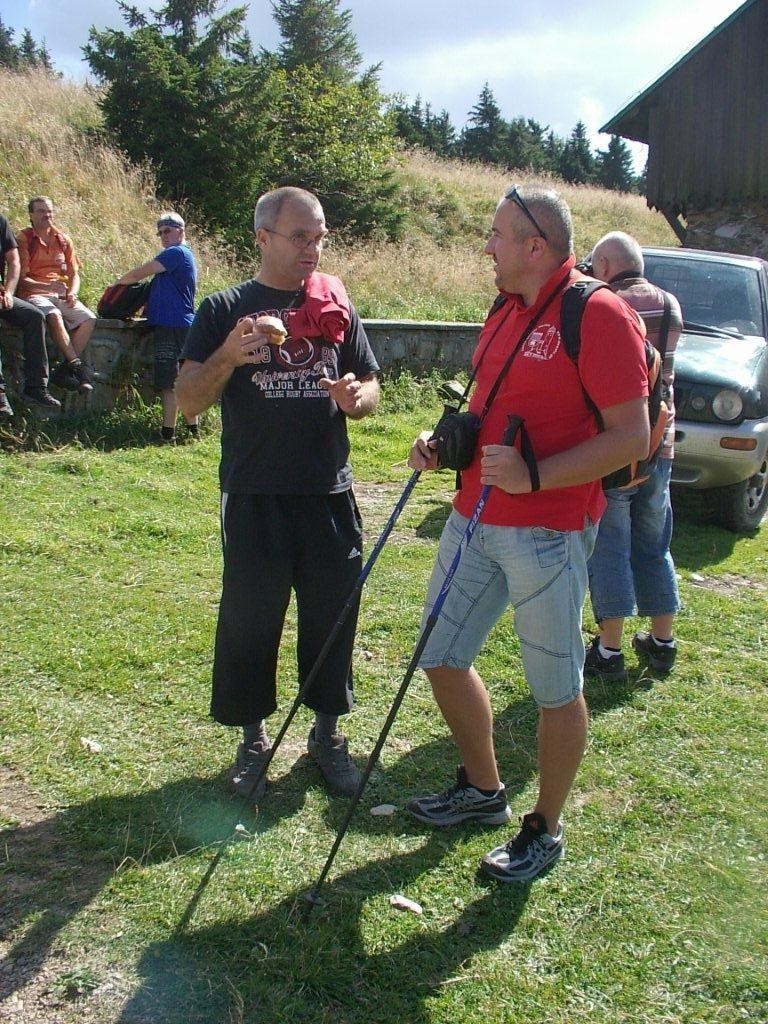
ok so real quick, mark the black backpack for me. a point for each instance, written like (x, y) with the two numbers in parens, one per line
(123, 301)
(575, 299)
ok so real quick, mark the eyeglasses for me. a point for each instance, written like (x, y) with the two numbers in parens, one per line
(167, 231)
(514, 196)
(300, 239)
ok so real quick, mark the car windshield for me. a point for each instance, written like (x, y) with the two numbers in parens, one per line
(721, 295)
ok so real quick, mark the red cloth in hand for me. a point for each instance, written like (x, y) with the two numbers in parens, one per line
(324, 312)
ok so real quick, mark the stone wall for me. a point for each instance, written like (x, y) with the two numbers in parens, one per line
(741, 229)
(120, 356)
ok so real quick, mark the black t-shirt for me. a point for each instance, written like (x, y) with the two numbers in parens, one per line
(281, 433)
(7, 241)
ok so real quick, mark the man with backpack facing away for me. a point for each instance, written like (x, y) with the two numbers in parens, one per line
(631, 563)
(170, 310)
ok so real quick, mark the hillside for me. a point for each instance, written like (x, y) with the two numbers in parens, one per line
(51, 143)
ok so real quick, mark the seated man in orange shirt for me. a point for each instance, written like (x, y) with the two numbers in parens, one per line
(50, 280)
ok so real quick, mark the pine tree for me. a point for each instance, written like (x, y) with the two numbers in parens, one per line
(615, 169)
(577, 163)
(9, 51)
(487, 136)
(221, 124)
(317, 35)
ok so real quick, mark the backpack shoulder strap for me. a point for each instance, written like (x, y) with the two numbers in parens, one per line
(572, 311)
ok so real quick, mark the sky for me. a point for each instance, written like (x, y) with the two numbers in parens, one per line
(558, 62)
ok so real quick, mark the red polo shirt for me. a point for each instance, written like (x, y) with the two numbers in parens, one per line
(544, 387)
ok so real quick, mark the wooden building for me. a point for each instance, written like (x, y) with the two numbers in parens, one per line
(705, 122)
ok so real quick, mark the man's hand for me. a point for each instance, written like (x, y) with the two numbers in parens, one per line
(71, 299)
(346, 392)
(423, 455)
(505, 468)
(241, 346)
(6, 300)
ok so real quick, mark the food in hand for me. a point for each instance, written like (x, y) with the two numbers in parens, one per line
(272, 327)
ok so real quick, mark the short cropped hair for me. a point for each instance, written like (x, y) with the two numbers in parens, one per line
(38, 199)
(552, 213)
(271, 203)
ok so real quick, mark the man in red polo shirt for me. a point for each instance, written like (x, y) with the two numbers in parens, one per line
(538, 526)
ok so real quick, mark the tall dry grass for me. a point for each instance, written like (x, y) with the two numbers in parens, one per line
(51, 143)
(439, 270)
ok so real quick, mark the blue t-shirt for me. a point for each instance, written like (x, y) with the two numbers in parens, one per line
(172, 296)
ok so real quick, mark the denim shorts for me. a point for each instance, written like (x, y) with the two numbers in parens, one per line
(542, 573)
(631, 565)
(169, 343)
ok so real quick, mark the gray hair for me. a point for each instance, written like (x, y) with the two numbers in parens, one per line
(271, 203)
(38, 199)
(622, 250)
(552, 213)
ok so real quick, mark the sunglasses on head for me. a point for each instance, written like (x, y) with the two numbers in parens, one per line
(514, 196)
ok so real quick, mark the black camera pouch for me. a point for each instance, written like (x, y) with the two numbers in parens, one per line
(456, 437)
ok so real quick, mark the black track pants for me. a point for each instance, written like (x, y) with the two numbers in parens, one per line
(273, 544)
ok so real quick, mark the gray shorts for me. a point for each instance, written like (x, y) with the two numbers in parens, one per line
(542, 573)
(169, 342)
(73, 316)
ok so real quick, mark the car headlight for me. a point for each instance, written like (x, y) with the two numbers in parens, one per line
(727, 405)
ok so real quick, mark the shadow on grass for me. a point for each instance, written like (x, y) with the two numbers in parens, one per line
(332, 970)
(336, 970)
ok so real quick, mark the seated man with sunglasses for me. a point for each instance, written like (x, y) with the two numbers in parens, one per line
(537, 527)
(288, 514)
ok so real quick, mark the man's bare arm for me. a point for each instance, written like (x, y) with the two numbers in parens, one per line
(199, 385)
(148, 269)
(12, 272)
(626, 437)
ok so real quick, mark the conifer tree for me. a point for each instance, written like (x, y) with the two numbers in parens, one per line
(615, 166)
(316, 34)
(487, 136)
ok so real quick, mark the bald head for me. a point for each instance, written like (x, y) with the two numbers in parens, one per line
(617, 253)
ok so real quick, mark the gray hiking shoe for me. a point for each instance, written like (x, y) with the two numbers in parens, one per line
(660, 657)
(530, 853)
(248, 764)
(462, 802)
(340, 772)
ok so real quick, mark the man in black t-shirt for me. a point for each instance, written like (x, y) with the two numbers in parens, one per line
(32, 323)
(288, 515)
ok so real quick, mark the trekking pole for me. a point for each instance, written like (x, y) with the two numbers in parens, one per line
(454, 392)
(313, 896)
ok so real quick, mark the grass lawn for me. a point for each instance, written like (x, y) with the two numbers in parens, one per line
(113, 801)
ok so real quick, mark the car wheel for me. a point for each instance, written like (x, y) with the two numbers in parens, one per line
(740, 507)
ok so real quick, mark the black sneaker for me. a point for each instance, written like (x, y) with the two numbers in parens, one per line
(660, 657)
(596, 666)
(248, 764)
(66, 375)
(532, 851)
(41, 398)
(81, 376)
(340, 772)
(6, 412)
(462, 802)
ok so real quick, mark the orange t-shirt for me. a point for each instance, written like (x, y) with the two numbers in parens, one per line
(52, 261)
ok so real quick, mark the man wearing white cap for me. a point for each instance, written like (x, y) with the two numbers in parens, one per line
(170, 310)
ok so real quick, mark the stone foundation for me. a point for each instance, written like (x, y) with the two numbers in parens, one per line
(740, 229)
(120, 356)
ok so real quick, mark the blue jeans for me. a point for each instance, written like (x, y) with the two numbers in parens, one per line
(631, 565)
(542, 573)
